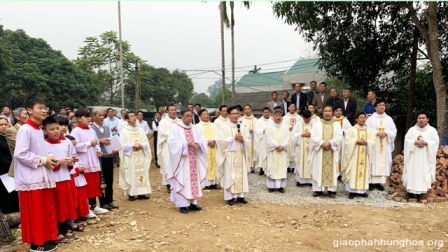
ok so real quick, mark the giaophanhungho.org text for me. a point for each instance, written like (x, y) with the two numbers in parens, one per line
(401, 243)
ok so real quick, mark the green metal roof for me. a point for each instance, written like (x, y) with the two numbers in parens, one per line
(261, 79)
(304, 66)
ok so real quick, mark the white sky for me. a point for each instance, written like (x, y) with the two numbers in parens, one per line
(175, 35)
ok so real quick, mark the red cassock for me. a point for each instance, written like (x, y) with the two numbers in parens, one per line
(93, 184)
(65, 209)
(83, 203)
(38, 216)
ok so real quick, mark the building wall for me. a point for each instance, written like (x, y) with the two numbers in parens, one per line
(255, 89)
(306, 78)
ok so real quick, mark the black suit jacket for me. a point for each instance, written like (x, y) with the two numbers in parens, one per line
(310, 96)
(302, 101)
(350, 111)
(196, 118)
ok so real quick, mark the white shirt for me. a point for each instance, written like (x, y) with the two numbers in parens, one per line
(122, 123)
(144, 126)
(345, 104)
(101, 128)
(285, 106)
(154, 126)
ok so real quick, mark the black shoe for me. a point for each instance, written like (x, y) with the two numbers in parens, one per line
(270, 190)
(194, 207)
(45, 247)
(340, 178)
(408, 195)
(106, 206)
(242, 200)
(53, 243)
(371, 187)
(332, 194)
(351, 195)
(252, 171)
(113, 206)
(281, 190)
(261, 173)
(131, 198)
(183, 210)
(421, 196)
(298, 184)
(142, 197)
(168, 187)
(364, 195)
(315, 194)
(380, 187)
(157, 165)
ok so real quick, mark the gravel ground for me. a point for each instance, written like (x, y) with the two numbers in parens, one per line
(302, 196)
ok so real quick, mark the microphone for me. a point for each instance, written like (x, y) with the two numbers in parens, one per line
(238, 127)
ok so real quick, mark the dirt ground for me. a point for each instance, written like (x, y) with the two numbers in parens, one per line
(156, 225)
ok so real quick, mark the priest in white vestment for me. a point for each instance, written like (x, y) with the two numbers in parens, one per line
(359, 147)
(260, 147)
(210, 132)
(301, 136)
(250, 120)
(290, 119)
(233, 159)
(223, 118)
(326, 137)
(345, 125)
(188, 163)
(163, 154)
(420, 153)
(277, 137)
(135, 160)
(312, 109)
(385, 131)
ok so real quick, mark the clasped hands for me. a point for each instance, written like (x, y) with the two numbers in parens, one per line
(326, 145)
(137, 147)
(381, 134)
(211, 143)
(420, 143)
(361, 142)
(194, 144)
(306, 134)
(239, 137)
(280, 148)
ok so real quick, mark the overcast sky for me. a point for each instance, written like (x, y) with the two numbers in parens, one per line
(175, 35)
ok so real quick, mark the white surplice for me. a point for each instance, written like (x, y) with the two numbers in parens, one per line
(188, 166)
(134, 165)
(345, 125)
(233, 160)
(301, 151)
(163, 154)
(250, 121)
(277, 134)
(325, 175)
(260, 147)
(291, 120)
(382, 156)
(357, 159)
(210, 132)
(420, 162)
(220, 121)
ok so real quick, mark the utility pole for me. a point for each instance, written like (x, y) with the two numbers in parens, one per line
(121, 56)
(137, 88)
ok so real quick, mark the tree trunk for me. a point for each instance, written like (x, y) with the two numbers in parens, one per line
(439, 85)
(431, 37)
(232, 30)
(223, 71)
(411, 100)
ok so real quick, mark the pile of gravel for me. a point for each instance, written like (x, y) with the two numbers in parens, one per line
(302, 196)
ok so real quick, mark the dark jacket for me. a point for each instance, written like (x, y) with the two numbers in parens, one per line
(350, 111)
(332, 101)
(303, 101)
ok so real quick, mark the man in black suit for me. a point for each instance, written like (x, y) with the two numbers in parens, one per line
(299, 99)
(197, 108)
(195, 116)
(312, 92)
(348, 105)
(285, 102)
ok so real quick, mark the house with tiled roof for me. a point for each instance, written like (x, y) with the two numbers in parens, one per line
(255, 89)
